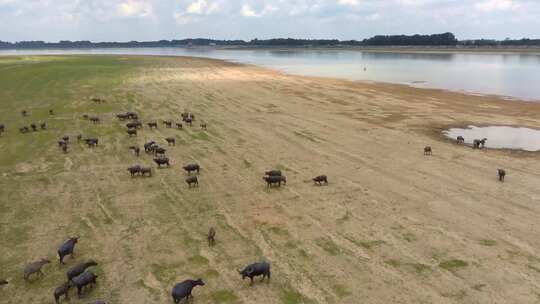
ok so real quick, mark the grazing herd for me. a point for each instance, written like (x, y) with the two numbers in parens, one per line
(476, 144)
(81, 278)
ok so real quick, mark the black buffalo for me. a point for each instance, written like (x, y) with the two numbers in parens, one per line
(67, 248)
(78, 269)
(256, 269)
(62, 290)
(162, 161)
(84, 279)
(273, 173)
(192, 180)
(275, 180)
(192, 167)
(320, 179)
(183, 290)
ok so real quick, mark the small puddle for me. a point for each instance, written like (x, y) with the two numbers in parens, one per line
(499, 137)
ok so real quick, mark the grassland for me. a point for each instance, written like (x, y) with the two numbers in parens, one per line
(392, 226)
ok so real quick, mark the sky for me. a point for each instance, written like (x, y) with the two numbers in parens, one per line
(124, 20)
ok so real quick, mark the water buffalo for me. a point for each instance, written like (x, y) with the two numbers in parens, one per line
(2, 128)
(34, 267)
(24, 113)
(43, 126)
(479, 143)
(85, 116)
(483, 142)
(132, 132)
(51, 112)
(183, 290)
(162, 161)
(3, 282)
(146, 170)
(134, 170)
(122, 116)
(135, 149)
(171, 141)
(179, 125)
(211, 236)
(67, 248)
(256, 269)
(320, 179)
(192, 180)
(33, 126)
(79, 268)
(148, 146)
(159, 150)
(167, 123)
(152, 125)
(273, 173)
(91, 142)
(460, 140)
(502, 174)
(62, 290)
(428, 151)
(275, 180)
(97, 100)
(132, 115)
(84, 279)
(94, 120)
(192, 167)
(134, 125)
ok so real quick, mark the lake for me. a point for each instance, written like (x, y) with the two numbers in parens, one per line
(514, 75)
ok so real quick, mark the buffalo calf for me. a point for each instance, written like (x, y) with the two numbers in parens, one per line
(320, 179)
(192, 180)
(34, 267)
(62, 290)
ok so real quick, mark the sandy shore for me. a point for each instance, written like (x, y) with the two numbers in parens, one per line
(392, 226)
(399, 220)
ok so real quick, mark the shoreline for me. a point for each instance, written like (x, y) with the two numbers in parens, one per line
(367, 81)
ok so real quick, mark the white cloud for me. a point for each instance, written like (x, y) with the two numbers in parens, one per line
(496, 5)
(134, 8)
(247, 11)
(202, 7)
(348, 2)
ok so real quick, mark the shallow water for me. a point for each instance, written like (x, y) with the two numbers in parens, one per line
(497, 74)
(500, 137)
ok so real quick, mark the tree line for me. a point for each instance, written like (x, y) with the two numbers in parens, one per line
(444, 39)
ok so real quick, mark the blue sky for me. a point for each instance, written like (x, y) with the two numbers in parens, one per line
(121, 20)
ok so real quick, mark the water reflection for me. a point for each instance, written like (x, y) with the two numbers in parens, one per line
(499, 137)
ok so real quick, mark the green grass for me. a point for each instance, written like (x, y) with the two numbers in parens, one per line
(341, 291)
(198, 260)
(329, 246)
(453, 265)
(289, 296)
(224, 296)
(488, 243)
